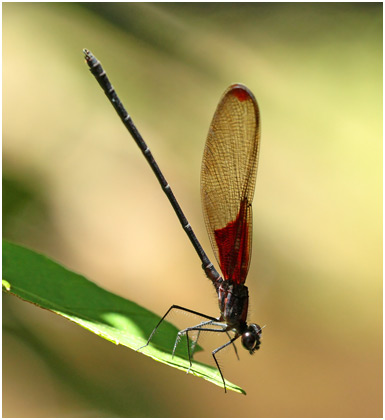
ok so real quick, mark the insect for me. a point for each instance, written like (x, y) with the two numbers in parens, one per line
(228, 177)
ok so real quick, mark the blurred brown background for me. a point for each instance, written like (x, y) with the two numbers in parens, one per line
(76, 188)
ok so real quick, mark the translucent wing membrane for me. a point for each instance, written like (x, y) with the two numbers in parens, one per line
(228, 176)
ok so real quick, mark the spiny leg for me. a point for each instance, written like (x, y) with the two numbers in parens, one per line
(165, 315)
(195, 340)
(189, 353)
(199, 329)
(235, 347)
(194, 343)
(216, 361)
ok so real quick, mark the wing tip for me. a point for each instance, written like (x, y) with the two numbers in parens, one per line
(241, 92)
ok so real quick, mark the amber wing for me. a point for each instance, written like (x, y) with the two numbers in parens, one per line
(228, 176)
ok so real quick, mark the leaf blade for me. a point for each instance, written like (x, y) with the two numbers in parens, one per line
(37, 279)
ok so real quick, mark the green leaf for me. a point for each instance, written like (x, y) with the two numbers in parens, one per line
(45, 283)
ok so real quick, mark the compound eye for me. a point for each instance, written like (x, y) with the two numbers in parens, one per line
(248, 340)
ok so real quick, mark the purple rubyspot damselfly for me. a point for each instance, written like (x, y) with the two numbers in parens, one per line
(228, 176)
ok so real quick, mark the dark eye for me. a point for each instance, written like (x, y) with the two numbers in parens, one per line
(248, 340)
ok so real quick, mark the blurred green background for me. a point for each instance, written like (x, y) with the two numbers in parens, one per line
(76, 188)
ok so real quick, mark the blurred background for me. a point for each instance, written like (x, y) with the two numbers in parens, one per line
(77, 188)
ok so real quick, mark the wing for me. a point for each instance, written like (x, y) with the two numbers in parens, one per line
(228, 176)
